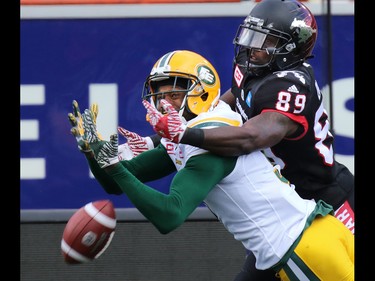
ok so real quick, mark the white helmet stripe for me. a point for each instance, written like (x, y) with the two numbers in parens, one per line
(164, 60)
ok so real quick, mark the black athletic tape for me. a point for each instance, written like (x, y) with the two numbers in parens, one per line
(155, 139)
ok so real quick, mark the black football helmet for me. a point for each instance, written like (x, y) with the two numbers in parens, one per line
(288, 23)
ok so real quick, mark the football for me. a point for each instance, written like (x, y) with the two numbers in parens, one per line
(88, 232)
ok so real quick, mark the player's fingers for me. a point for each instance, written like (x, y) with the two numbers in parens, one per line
(72, 120)
(127, 134)
(152, 112)
(95, 110)
(153, 115)
(147, 105)
(89, 126)
(75, 132)
(114, 140)
(122, 131)
(76, 110)
(92, 115)
(167, 106)
(87, 117)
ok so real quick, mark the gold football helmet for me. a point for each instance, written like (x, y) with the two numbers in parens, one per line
(190, 71)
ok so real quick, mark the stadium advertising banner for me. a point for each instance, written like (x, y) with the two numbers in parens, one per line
(106, 60)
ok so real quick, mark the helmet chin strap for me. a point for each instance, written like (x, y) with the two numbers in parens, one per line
(182, 108)
(214, 102)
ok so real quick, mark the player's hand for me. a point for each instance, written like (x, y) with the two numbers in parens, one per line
(106, 153)
(76, 121)
(169, 125)
(135, 144)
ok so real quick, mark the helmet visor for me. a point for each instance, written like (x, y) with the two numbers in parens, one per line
(250, 38)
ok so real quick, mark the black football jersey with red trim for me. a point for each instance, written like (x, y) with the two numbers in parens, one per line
(306, 158)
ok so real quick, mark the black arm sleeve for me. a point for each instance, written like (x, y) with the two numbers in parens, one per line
(155, 139)
(193, 136)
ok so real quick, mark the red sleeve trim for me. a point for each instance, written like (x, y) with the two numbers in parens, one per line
(296, 118)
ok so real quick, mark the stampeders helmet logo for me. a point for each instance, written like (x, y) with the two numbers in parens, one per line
(304, 31)
(206, 75)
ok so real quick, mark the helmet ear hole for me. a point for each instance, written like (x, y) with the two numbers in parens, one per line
(290, 47)
(204, 96)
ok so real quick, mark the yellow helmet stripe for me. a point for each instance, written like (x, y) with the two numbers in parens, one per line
(215, 122)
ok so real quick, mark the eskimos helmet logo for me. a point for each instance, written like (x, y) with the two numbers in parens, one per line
(206, 75)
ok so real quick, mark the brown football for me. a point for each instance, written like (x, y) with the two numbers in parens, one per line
(88, 232)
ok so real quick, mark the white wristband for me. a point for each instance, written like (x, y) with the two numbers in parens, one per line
(150, 143)
(124, 152)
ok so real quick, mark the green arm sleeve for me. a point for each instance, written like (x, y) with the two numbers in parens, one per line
(149, 165)
(107, 183)
(188, 189)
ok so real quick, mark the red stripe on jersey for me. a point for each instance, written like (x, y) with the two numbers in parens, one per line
(296, 118)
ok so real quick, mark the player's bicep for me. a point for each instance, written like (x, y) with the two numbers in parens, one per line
(283, 124)
(150, 165)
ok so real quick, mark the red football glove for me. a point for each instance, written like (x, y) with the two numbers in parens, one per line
(135, 143)
(169, 125)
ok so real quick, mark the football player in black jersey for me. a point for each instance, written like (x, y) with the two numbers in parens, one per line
(275, 91)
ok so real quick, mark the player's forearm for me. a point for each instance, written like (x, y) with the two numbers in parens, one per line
(107, 183)
(160, 209)
(227, 141)
(262, 131)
